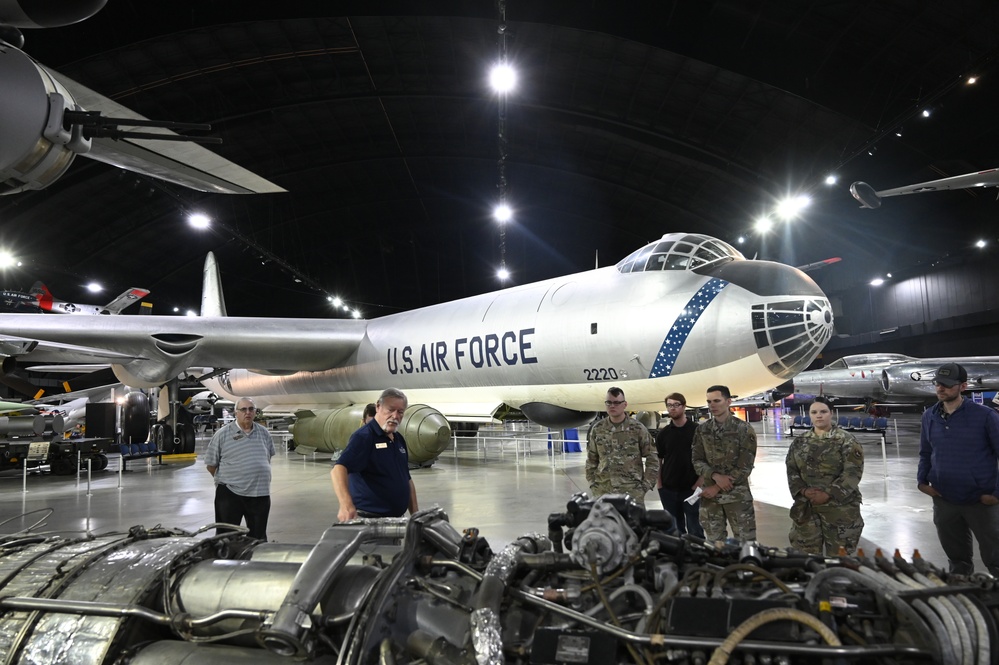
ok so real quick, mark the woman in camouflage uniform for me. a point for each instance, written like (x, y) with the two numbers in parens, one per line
(824, 466)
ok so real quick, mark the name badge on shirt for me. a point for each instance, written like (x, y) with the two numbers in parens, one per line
(381, 445)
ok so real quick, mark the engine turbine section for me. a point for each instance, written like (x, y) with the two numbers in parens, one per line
(418, 591)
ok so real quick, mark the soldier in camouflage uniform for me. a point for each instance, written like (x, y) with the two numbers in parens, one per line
(723, 453)
(615, 447)
(824, 467)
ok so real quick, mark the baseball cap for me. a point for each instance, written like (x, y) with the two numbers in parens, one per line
(951, 375)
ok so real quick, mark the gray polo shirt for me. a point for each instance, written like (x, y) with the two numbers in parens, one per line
(243, 461)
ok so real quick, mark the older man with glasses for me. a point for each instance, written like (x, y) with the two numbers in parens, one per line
(677, 478)
(615, 448)
(239, 458)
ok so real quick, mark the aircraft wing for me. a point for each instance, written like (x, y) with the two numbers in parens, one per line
(183, 163)
(148, 350)
(869, 198)
(125, 299)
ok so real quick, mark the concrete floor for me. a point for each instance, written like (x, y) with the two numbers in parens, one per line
(504, 482)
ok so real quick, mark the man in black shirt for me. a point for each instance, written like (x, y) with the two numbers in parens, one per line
(677, 478)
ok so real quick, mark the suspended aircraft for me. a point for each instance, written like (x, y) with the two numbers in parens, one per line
(869, 198)
(678, 314)
(47, 119)
(892, 377)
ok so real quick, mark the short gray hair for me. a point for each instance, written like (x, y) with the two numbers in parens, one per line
(245, 399)
(392, 393)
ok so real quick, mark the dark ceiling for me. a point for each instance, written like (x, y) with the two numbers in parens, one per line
(632, 119)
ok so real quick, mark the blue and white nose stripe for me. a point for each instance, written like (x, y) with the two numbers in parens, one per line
(670, 349)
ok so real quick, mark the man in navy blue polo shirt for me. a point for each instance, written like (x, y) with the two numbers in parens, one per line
(959, 468)
(371, 477)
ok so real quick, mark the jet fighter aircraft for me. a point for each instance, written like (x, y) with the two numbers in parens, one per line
(678, 314)
(892, 377)
(47, 119)
(869, 198)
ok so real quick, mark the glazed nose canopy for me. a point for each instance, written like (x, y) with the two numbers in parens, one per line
(765, 278)
(790, 333)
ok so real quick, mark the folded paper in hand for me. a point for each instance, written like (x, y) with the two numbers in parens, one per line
(692, 499)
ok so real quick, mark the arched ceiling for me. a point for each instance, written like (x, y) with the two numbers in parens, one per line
(631, 120)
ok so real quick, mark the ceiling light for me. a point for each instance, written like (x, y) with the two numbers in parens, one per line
(7, 260)
(190, 312)
(503, 274)
(764, 224)
(980, 244)
(94, 287)
(877, 281)
(972, 80)
(199, 220)
(502, 213)
(503, 78)
(355, 313)
(925, 113)
(831, 179)
(336, 302)
(790, 208)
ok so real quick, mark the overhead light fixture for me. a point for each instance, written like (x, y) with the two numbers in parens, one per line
(7, 260)
(94, 287)
(764, 224)
(199, 220)
(356, 314)
(925, 113)
(502, 213)
(792, 207)
(831, 179)
(972, 80)
(503, 274)
(980, 244)
(877, 281)
(503, 78)
(190, 312)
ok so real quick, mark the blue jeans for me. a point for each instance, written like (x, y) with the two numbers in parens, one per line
(684, 514)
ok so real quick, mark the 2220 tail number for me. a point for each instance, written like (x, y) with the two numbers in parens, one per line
(601, 374)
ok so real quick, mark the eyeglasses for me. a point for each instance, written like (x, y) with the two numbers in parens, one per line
(673, 405)
(611, 402)
(247, 409)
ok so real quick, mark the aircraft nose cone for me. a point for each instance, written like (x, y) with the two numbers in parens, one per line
(792, 318)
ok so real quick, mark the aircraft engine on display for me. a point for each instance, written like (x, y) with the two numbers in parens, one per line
(609, 582)
(426, 431)
(35, 148)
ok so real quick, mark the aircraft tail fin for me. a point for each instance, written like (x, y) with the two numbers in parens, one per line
(125, 299)
(42, 295)
(212, 300)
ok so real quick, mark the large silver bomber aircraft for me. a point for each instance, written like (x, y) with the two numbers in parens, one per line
(679, 314)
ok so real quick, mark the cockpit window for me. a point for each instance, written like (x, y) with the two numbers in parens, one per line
(679, 251)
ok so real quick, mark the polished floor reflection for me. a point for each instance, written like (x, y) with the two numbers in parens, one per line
(504, 482)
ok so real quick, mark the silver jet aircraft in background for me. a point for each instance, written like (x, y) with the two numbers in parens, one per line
(892, 377)
(679, 314)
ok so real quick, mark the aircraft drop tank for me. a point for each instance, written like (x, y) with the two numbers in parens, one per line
(426, 431)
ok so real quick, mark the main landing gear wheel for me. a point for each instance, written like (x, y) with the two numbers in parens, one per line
(135, 418)
(185, 438)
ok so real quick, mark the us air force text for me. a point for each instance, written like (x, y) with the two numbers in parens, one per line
(513, 347)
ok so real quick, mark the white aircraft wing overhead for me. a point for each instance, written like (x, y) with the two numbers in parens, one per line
(183, 163)
(869, 198)
(145, 351)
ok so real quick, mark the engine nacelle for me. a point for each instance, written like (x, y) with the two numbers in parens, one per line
(33, 14)
(35, 146)
(426, 430)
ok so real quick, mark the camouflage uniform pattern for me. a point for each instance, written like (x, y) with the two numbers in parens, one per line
(614, 459)
(728, 448)
(834, 463)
